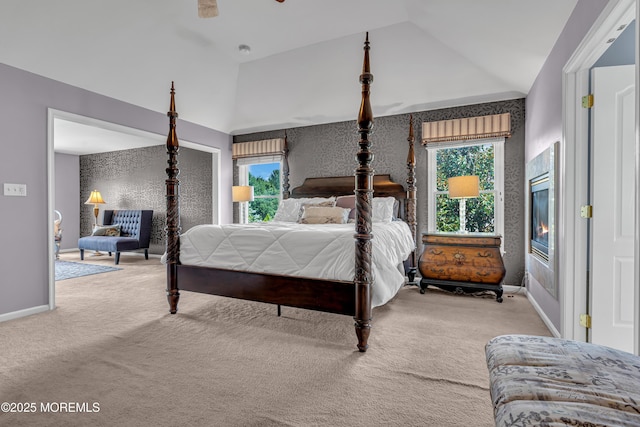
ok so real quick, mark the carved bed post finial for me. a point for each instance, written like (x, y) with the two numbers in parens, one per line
(364, 201)
(173, 209)
(285, 169)
(411, 196)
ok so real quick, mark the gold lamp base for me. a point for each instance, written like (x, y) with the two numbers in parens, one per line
(96, 211)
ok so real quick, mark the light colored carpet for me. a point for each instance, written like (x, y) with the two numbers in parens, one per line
(226, 362)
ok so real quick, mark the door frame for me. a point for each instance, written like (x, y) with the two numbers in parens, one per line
(53, 114)
(574, 169)
(637, 210)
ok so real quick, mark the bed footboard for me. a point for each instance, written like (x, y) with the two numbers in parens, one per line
(291, 291)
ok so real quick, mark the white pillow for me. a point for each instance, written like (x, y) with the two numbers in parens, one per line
(288, 210)
(383, 209)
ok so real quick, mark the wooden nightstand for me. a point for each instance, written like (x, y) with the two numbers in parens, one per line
(462, 262)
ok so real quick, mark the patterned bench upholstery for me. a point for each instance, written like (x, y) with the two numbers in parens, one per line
(545, 381)
(135, 233)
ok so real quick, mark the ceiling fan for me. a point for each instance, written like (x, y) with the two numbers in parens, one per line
(209, 8)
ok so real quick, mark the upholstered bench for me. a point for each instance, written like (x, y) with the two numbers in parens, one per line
(545, 381)
(124, 230)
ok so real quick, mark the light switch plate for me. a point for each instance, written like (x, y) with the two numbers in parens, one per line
(15, 190)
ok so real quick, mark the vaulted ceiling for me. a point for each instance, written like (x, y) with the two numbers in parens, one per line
(305, 55)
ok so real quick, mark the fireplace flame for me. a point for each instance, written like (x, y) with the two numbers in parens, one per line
(542, 229)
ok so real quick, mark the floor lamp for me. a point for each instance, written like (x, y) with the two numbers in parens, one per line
(242, 194)
(95, 199)
(463, 188)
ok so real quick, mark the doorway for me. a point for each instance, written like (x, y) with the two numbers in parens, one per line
(575, 171)
(612, 227)
(100, 134)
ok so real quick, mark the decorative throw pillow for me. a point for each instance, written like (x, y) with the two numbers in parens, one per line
(347, 202)
(107, 230)
(314, 214)
(316, 201)
(290, 210)
(383, 209)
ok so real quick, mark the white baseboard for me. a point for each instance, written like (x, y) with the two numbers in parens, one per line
(544, 317)
(23, 313)
(512, 289)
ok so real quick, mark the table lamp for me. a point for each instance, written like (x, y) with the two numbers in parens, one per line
(242, 194)
(95, 199)
(463, 188)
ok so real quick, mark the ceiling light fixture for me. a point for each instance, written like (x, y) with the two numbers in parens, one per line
(243, 48)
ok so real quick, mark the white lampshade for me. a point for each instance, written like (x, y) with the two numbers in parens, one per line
(464, 186)
(242, 193)
(95, 198)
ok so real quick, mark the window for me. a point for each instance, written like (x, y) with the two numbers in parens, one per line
(484, 158)
(264, 176)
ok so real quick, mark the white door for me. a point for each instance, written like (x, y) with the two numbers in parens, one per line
(613, 194)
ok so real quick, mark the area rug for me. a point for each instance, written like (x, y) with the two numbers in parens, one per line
(69, 270)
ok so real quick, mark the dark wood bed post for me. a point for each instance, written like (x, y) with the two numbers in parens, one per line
(285, 169)
(364, 193)
(173, 209)
(411, 198)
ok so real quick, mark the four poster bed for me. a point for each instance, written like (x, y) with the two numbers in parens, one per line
(321, 271)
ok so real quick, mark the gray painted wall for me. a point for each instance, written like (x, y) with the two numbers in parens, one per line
(26, 98)
(544, 116)
(329, 150)
(67, 191)
(134, 179)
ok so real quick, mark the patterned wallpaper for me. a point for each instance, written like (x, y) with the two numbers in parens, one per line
(329, 150)
(134, 179)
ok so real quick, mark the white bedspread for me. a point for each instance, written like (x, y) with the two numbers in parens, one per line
(325, 251)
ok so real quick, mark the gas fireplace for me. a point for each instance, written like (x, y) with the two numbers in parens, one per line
(541, 261)
(540, 216)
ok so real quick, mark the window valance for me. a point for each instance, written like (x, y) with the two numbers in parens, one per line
(265, 147)
(496, 125)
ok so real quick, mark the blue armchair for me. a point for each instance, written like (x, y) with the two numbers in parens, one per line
(129, 230)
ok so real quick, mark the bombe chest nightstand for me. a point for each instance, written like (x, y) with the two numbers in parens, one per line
(462, 262)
